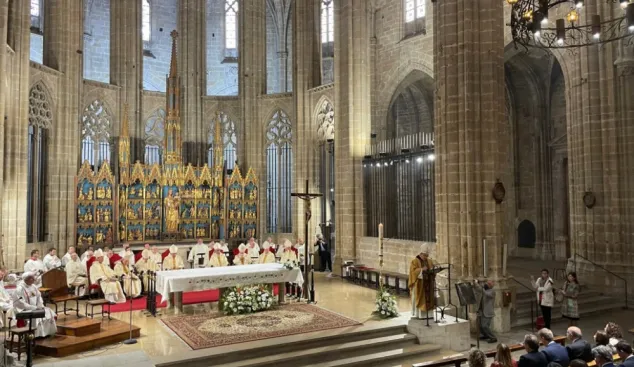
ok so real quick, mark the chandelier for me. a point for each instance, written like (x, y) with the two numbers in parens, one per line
(532, 27)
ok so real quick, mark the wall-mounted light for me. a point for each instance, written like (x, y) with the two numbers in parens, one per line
(419, 159)
(431, 157)
(561, 31)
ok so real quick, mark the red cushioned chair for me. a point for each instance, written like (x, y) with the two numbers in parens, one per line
(236, 252)
(137, 255)
(113, 260)
(91, 286)
(165, 253)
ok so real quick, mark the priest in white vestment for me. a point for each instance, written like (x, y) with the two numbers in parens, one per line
(35, 265)
(51, 261)
(90, 251)
(27, 297)
(198, 252)
(289, 254)
(173, 261)
(76, 275)
(145, 265)
(267, 256)
(127, 252)
(131, 282)
(66, 257)
(253, 249)
(157, 257)
(6, 302)
(85, 257)
(218, 258)
(101, 274)
(242, 257)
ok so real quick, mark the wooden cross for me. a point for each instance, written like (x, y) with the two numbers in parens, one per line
(307, 197)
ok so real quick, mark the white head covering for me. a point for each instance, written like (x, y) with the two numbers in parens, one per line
(424, 249)
(145, 254)
(217, 246)
(288, 244)
(242, 248)
(173, 249)
(266, 246)
(98, 253)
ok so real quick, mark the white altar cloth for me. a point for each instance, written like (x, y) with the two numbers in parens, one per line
(199, 279)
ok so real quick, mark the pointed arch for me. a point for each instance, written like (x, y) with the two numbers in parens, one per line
(325, 118)
(411, 107)
(40, 106)
(279, 169)
(154, 134)
(228, 130)
(96, 133)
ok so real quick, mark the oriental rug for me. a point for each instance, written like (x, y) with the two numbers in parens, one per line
(215, 329)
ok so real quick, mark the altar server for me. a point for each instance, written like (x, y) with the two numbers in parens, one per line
(36, 266)
(76, 275)
(253, 249)
(242, 258)
(267, 256)
(145, 265)
(126, 252)
(131, 282)
(6, 302)
(66, 257)
(51, 261)
(85, 257)
(289, 254)
(218, 258)
(157, 257)
(27, 297)
(173, 261)
(199, 255)
(101, 274)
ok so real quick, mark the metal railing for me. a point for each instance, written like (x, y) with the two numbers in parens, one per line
(533, 303)
(606, 270)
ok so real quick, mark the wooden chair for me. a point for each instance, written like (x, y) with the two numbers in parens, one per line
(55, 281)
(98, 303)
(22, 338)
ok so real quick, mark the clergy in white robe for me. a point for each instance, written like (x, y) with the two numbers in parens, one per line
(76, 275)
(27, 297)
(267, 256)
(289, 254)
(35, 265)
(131, 282)
(90, 251)
(6, 302)
(218, 258)
(127, 252)
(85, 257)
(66, 257)
(51, 261)
(145, 265)
(253, 249)
(157, 257)
(242, 258)
(173, 261)
(101, 274)
(199, 255)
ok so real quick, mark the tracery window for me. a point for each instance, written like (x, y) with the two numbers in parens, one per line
(229, 140)
(327, 41)
(40, 122)
(154, 136)
(325, 137)
(96, 131)
(414, 16)
(36, 15)
(231, 24)
(146, 25)
(279, 169)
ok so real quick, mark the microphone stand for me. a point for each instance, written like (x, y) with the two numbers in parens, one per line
(131, 340)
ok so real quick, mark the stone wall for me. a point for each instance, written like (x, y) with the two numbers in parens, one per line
(97, 40)
(397, 254)
(222, 74)
(156, 60)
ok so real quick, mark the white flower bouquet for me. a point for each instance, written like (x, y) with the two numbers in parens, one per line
(291, 264)
(386, 306)
(245, 300)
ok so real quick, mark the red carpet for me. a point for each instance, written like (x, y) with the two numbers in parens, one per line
(189, 298)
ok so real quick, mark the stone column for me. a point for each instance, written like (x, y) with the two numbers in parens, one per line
(192, 58)
(252, 82)
(4, 22)
(126, 68)
(470, 130)
(63, 38)
(353, 121)
(306, 65)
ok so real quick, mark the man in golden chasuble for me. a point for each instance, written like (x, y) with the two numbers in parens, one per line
(421, 283)
(171, 212)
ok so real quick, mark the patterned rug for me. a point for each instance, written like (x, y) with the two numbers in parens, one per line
(215, 329)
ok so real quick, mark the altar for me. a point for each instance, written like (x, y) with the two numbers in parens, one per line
(175, 282)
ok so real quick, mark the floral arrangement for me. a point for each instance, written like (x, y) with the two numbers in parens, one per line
(386, 306)
(245, 300)
(292, 264)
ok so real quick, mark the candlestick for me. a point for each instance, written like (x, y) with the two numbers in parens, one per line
(381, 255)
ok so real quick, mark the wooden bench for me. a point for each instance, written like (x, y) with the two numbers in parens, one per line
(98, 303)
(64, 299)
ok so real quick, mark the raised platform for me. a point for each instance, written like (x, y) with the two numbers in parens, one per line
(109, 332)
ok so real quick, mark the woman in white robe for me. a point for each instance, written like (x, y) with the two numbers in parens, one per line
(106, 278)
(145, 265)
(76, 275)
(267, 257)
(131, 282)
(242, 258)
(218, 258)
(27, 297)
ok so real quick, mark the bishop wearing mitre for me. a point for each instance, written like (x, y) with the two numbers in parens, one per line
(173, 261)
(76, 275)
(253, 249)
(157, 257)
(242, 258)
(101, 274)
(145, 265)
(289, 253)
(131, 282)
(199, 254)
(267, 255)
(421, 283)
(218, 258)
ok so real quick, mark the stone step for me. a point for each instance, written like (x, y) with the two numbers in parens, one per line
(330, 353)
(79, 327)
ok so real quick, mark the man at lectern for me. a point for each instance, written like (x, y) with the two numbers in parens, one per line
(421, 283)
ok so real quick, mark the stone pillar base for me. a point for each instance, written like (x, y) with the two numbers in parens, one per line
(449, 334)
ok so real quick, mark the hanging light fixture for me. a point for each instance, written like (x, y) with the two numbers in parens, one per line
(629, 15)
(561, 31)
(624, 3)
(596, 26)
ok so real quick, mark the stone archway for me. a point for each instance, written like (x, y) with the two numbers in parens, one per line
(411, 108)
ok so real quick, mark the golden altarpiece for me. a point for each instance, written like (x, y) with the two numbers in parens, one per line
(168, 202)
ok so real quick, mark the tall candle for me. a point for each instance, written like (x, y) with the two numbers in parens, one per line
(381, 243)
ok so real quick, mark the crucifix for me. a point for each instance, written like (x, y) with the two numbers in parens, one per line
(307, 197)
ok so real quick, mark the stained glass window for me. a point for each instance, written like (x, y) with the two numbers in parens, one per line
(279, 169)
(327, 21)
(145, 21)
(414, 9)
(231, 24)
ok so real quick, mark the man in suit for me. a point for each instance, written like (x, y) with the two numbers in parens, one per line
(603, 356)
(624, 351)
(578, 348)
(486, 297)
(554, 352)
(533, 357)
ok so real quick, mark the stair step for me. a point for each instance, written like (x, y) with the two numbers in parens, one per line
(329, 352)
(79, 327)
(380, 359)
